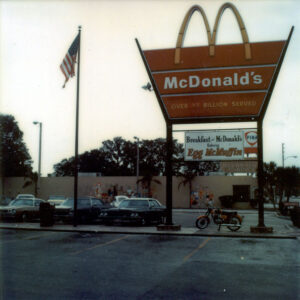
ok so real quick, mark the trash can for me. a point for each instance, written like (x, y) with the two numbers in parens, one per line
(295, 216)
(46, 214)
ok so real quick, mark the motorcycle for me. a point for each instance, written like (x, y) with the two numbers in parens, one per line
(231, 219)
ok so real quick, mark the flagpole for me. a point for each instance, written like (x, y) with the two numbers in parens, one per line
(76, 164)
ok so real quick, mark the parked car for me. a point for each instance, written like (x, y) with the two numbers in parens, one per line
(56, 199)
(135, 210)
(21, 209)
(286, 207)
(118, 199)
(88, 210)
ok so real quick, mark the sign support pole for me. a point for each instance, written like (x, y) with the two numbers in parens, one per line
(261, 228)
(260, 175)
(169, 174)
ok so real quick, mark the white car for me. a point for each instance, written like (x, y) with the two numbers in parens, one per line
(22, 209)
(118, 200)
(56, 199)
(25, 196)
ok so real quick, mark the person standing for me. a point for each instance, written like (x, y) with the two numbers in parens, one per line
(210, 201)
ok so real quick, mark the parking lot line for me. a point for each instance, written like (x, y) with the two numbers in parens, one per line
(25, 238)
(37, 236)
(101, 245)
(196, 250)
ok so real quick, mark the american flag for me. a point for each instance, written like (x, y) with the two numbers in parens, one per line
(68, 63)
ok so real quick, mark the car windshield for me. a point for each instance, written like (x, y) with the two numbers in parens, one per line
(81, 202)
(56, 197)
(21, 202)
(133, 203)
(68, 202)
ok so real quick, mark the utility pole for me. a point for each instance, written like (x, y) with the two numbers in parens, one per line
(282, 152)
(285, 158)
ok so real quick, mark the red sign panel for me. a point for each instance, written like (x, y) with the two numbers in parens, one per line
(215, 81)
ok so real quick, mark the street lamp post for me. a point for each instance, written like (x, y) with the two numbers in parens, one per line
(137, 163)
(40, 153)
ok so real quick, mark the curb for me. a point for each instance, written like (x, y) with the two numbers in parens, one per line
(195, 233)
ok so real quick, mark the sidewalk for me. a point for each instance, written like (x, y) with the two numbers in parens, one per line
(282, 228)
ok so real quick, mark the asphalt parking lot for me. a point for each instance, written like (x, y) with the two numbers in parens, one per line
(130, 262)
(72, 265)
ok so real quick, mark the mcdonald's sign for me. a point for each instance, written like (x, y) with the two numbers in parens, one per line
(215, 82)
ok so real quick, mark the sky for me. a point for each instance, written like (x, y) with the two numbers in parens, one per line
(35, 36)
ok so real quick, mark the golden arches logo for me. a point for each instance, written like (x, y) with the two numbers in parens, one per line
(211, 37)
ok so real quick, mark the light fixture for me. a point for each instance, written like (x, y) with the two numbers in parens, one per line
(148, 87)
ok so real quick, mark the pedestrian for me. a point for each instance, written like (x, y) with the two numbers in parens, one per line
(209, 201)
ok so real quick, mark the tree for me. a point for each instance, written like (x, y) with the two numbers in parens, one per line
(65, 167)
(146, 182)
(206, 167)
(153, 155)
(117, 157)
(120, 156)
(94, 161)
(289, 180)
(189, 172)
(90, 161)
(14, 156)
(33, 179)
(286, 181)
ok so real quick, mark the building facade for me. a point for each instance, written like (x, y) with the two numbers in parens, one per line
(214, 186)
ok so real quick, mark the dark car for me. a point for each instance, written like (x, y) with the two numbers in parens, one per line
(88, 210)
(21, 209)
(135, 210)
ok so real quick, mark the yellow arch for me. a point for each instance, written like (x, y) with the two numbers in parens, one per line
(241, 26)
(184, 26)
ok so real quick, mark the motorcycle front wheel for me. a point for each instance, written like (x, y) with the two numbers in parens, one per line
(202, 222)
(236, 224)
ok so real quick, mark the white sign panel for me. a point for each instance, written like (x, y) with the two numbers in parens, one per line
(214, 145)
